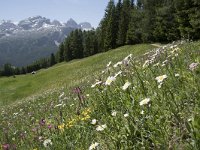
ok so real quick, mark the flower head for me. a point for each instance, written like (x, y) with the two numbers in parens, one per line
(193, 66)
(61, 127)
(101, 127)
(126, 85)
(94, 121)
(145, 101)
(114, 113)
(47, 143)
(161, 78)
(93, 145)
(126, 115)
(109, 80)
(177, 75)
(6, 146)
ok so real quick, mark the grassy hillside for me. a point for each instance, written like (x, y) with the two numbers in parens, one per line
(139, 101)
(65, 75)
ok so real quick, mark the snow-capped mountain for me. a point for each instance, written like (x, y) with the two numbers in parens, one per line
(33, 38)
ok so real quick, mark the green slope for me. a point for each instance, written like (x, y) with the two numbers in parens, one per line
(151, 103)
(65, 75)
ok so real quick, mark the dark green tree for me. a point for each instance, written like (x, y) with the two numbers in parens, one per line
(8, 70)
(52, 59)
(124, 22)
(61, 53)
(110, 29)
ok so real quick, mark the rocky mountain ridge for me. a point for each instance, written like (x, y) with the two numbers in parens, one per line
(33, 38)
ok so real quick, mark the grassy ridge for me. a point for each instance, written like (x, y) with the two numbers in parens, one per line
(147, 102)
(62, 75)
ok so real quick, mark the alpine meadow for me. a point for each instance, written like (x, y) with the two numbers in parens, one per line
(131, 83)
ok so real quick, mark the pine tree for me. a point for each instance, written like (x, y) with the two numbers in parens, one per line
(8, 70)
(134, 32)
(77, 44)
(110, 38)
(61, 53)
(182, 14)
(194, 18)
(124, 22)
(166, 26)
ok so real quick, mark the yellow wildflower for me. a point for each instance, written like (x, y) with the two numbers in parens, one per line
(61, 127)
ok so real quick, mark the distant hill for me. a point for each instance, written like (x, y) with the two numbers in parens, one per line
(33, 38)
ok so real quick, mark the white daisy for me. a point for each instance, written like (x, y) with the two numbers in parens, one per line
(114, 113)
(94, 121)
(109, 80)
(47, 143)
(145, 101)
(161, 78)
(126, 115)
(93, 146)
(101, 127)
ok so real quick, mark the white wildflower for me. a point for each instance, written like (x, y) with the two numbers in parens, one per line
(93, 146)
(109, 80)
(94, 121)
(193, 66)
(47, 143)
(101, 127)
(161, 78)
(142, 112)
(177, 75)
(160, 85)
(71, 105)
(126, 115)
(114, 113)
(145, 101)
(126, 85)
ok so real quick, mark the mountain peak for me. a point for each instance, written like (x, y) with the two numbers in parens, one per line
(71, 23)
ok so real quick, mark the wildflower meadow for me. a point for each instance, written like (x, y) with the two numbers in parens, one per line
(146, 101)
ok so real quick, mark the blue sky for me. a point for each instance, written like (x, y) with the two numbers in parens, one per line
(80, 10)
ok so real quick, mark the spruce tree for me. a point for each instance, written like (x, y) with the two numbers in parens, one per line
(110, 38)
(61, 53)
(124, 22)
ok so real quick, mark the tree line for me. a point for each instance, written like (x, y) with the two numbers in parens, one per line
(129, 22)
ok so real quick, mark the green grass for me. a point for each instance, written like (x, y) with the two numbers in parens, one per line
(147, 114)
(65, 75)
